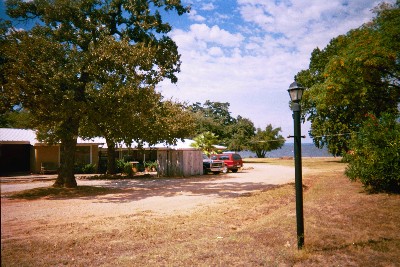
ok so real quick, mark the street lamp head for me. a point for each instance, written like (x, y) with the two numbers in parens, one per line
(296, 92)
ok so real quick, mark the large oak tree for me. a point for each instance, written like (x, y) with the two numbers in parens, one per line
(79, 53)
(356, 74)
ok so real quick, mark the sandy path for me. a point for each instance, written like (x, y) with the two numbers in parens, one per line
(162, 196)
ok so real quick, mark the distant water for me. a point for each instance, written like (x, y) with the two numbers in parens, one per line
(307, 150)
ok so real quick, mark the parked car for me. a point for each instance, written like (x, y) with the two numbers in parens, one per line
(232, 161)
(212, 165)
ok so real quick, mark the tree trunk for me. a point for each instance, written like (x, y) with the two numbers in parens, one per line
(66, 177)
(111, 168)
(260, 153)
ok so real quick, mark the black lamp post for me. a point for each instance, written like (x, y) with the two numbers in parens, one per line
(296, 92)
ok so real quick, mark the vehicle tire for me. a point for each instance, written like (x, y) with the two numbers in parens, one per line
(225, 169)
(216, 173)
(234, 170)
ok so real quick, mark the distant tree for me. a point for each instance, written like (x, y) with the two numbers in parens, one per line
(239, 134)
(17, 118)
(375, 153)
(356, 74)
(215, 117)
(56, 69)
(266, 140)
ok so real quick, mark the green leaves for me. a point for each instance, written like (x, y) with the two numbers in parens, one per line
(216, 118)
(353, 96)
(206, 142)
(89, 67)
(356, 74)
(375, 152)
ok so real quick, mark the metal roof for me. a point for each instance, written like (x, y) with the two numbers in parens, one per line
(17, 136)
(24, 136)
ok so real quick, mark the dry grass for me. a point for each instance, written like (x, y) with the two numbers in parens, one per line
(343, 227)
(59, 193)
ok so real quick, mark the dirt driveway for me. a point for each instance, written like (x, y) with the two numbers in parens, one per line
(162, 196)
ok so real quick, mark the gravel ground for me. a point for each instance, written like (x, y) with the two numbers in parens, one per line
(161, 196)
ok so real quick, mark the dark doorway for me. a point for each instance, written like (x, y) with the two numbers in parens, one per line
(14, 158)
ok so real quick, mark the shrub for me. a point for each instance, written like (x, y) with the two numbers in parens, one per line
(89, 168)
(128, 170)
(375, 153)
(124, 167)
(85, 168)
(120, 166)
(151, 165)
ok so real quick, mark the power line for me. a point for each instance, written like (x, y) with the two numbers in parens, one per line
(279, 140)
(327, 135)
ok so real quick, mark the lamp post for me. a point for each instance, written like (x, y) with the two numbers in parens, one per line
(296, 92)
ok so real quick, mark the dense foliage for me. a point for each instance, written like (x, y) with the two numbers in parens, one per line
(215, 117)
(375, 153)
(84, 60)
(216, 126)
(353, 99)
(356, 74)
(16, 118)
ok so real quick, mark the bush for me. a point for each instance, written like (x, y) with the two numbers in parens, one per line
(375, 153)
(85, 168)
(151, 165)
(89, 168)
(124, 167)
(120, 166)
(128, 169)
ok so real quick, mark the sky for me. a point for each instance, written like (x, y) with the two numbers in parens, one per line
(247, 52)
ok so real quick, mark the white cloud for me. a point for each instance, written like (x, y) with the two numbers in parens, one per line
(252, 67)
(207, 6)
(216, 35)
(215, 51)
(195, 17)
(201, 33)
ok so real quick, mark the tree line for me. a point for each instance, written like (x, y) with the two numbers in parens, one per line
(89, 68)
(216, 126)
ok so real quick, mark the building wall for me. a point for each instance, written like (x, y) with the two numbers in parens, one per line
(179, 163)
(95, 155)
(46, 155)
(50, 155)
(193, 163)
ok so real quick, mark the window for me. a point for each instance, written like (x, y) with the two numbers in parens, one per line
(237, 157)
(82, 155)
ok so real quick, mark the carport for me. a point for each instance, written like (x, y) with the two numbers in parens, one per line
(16, 150)
(15, 158)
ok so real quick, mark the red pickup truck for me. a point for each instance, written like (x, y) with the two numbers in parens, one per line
(233, 162)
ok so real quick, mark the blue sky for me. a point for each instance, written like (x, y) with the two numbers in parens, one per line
(247, 52)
